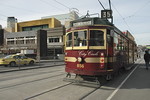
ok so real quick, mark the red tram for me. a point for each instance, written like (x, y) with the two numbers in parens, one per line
(95, 47)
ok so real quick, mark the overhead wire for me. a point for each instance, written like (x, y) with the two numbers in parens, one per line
(3, 19)
(50, 4)
(62, 4)
(19, 8)
(122, 18)
(137, 11)
(58, 3)
(133, 15)
(69, 8)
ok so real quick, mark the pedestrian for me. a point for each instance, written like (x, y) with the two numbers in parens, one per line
(147, 59)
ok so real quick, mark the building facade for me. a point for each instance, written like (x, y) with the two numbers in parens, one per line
(30, 35)
(55, 41)
(65, 18)
(1, 39)
(11, 21)
(0, 26)
(28, 40)
(37, 24)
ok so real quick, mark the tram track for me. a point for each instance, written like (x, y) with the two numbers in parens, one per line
(27, 75)
(89, 93)
(7, 87)
(10, 77)
(62, 86)
(52, 87)
(50, 90)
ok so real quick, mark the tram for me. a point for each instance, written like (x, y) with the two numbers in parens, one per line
(94, 47)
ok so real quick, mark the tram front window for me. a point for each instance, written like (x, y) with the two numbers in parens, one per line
(69, 40)
(80, 38)
(96, 38)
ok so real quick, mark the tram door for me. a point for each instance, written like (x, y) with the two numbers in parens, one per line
(110, 49)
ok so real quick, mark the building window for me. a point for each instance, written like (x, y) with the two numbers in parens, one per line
(19, 40)
(30, 37)
(38, 27)
(10, 42)
(52, 40)
(31, 41)
(10, 38)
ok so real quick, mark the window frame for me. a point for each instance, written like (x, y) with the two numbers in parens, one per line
(81, 47)
(104, 38)
(88, 36)
(68, 47)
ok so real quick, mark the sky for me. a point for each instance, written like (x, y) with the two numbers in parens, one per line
(129, 15)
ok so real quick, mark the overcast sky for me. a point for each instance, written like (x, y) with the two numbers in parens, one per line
(129, 15)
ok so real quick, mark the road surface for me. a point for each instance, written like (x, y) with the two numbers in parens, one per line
(47, 84)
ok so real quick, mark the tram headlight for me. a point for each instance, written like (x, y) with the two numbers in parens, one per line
(79, 59)
(66, 53)
(102, 54)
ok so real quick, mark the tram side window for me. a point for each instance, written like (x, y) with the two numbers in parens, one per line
(80, 38)
(116, 46)
(96, 38)
(69, 40)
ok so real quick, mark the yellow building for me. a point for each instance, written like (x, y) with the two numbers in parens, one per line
(37, 24)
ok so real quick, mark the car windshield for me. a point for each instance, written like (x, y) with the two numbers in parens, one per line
(8, 56)
(24, 57)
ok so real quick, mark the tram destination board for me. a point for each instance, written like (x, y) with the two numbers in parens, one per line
(82, 23)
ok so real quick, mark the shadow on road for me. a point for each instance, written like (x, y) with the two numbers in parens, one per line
(139, 79)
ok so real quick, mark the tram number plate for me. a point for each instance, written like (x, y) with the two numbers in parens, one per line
(80, 65)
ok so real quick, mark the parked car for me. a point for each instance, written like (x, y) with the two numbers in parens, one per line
(15, 60)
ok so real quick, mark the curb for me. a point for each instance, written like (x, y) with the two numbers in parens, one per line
(20, 69)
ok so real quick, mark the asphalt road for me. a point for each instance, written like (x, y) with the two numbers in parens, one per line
(47, 84)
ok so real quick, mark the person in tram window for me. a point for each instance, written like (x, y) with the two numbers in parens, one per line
(147, 59)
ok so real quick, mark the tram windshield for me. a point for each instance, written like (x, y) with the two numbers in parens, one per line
(69, 40)
(80, 38)
(96, 38)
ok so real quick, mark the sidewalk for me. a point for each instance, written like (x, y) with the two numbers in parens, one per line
(137, 86)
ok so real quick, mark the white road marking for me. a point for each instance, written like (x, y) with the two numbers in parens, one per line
(110, 97)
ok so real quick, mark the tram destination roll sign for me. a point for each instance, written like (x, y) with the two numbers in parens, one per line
(82, 23)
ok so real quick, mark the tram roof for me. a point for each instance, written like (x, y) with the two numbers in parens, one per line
(90, 21)
(87, 21)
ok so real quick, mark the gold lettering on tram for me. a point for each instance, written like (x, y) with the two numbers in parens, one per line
(80, 65)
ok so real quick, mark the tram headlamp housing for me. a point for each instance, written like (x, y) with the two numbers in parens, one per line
(79, 59)
(66, 53)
